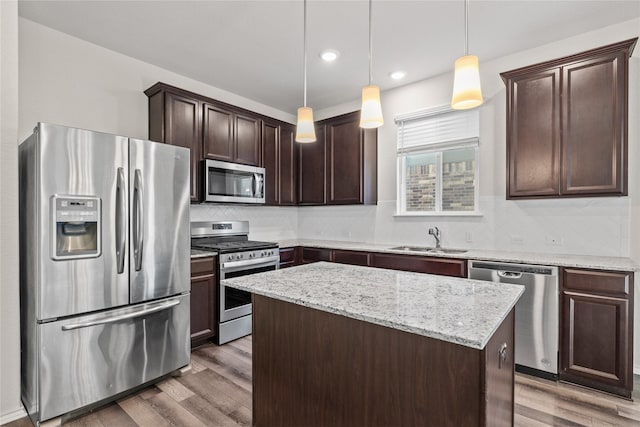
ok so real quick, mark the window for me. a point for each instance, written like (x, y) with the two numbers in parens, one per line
(438, 162)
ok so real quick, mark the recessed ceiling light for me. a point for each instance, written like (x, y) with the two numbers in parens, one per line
(397, 75)
(329, 55)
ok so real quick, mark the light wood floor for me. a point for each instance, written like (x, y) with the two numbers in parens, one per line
(217, 392)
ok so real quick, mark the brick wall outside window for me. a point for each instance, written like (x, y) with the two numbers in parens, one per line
(458, 186)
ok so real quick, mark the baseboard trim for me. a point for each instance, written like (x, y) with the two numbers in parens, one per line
(12, 416)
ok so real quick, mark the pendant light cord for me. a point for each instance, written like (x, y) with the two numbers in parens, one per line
(466, 27)
(304, 72)
(370, 47)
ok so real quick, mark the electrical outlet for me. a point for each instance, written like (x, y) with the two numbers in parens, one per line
(468, 237)
(553, 241)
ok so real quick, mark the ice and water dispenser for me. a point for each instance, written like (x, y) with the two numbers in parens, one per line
(77, 225)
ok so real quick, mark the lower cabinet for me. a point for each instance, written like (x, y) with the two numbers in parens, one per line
(316, 254)
(352, 257)
(203, 300)
(421, 264)
(596, 331)
(289, 257)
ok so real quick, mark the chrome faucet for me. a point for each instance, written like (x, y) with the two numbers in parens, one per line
(435, 232)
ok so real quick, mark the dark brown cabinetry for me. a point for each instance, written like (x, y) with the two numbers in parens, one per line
(279, 160)
(341, 166)
(231, 136)
(352, 257)
(211, 129)
(289, 257)
(174, 118)
(567, 125)
(316, 254)
(421, 264)
(597, 330)
(203, 300)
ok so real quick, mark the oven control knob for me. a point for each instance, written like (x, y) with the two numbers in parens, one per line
(262, 253)
(240, 256)
(251, 255)
(231, 257)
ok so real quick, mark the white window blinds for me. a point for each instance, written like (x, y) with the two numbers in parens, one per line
(437, 129)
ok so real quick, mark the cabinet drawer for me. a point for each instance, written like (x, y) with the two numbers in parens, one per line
(314, 255)
(203, 266)
(603, 282)
(420, 264)
(351, 257)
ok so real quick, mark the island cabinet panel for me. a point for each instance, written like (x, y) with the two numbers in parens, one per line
(352, 257)
(290, 257)
(203, 300)
(313, 368)
(567, 125)
(421, 264)
(310, 255)
(597, 330)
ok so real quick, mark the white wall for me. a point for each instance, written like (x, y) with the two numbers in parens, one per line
(10, 407)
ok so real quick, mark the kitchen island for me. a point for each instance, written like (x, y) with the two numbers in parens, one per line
(344, 345)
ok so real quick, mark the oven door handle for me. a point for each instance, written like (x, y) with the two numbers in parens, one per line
(253, 263)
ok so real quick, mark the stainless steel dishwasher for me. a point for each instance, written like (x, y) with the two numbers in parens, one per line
(536, 331)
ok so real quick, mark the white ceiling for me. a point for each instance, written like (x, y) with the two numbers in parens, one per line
(254, 48)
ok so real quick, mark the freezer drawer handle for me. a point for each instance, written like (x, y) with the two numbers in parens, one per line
(138, 220)
(140, 313)
(121, 230)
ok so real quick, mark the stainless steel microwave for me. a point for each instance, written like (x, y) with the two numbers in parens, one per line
(233, 183)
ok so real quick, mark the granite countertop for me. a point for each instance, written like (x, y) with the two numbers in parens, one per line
(199, 253)
(561, 260)
(460, 311)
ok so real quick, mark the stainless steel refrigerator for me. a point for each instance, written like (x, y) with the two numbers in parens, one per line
(104, 266)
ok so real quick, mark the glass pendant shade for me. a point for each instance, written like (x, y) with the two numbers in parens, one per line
(305, 130)
(371, 111)
(466, 84)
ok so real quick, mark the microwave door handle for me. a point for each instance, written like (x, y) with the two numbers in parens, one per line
(257, 185)
(138, 219)
(121, 232)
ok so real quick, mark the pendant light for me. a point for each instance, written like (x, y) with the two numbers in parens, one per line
(305, 129)
(371, 111)
(466, 81)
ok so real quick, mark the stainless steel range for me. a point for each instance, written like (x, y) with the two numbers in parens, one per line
(238, 256)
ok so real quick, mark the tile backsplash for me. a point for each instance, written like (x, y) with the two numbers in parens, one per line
(585, 226)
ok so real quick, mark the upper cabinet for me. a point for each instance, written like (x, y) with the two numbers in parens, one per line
(567, 125)
(211, 129)
(175, 118)
(340, 168)
(279, 160)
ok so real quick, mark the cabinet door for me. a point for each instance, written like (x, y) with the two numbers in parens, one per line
(533, 134)
(421, 264)
(218, 133)
(344, 161)
(270, 145)
(289, 257)
(203, 299)
(183, 129)
(311, 184)
(594, 102)
(288, 165)
(247, 140)
(596, 330)
(351, 257)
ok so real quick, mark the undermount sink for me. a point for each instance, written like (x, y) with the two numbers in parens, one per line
(426, 249)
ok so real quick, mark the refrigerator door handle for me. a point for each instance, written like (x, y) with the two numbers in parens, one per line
(138, 219)
(115, 319)
(121, 214)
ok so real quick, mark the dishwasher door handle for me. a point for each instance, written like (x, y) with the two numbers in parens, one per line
(509, 274)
